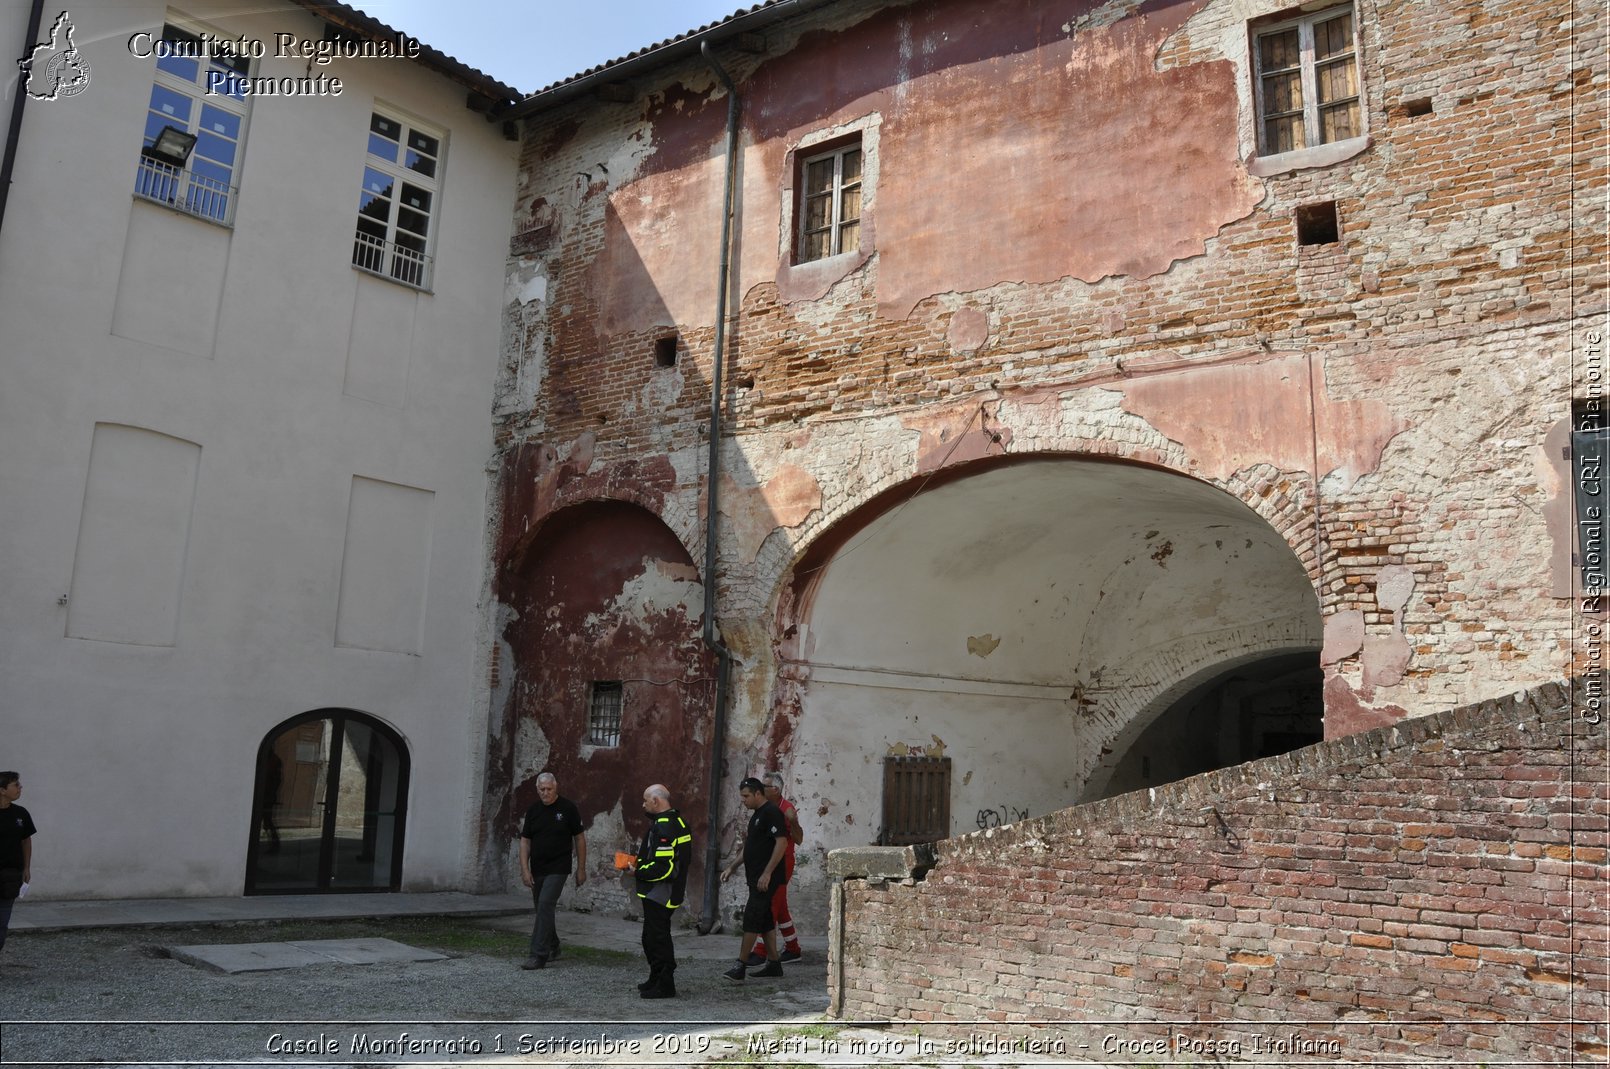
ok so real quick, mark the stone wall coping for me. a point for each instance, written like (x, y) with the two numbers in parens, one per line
(881, 862)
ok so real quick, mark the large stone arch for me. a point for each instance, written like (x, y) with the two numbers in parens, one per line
(1017, 616)
(957, 441)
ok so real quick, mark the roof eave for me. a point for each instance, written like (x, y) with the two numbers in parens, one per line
(497, 97)
(660, 55)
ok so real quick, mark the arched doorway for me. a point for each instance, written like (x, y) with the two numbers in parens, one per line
(329, 806)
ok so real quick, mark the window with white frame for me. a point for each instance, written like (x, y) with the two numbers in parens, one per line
(397, 204)
(195, 127)
(829, 209)
(1307, 75)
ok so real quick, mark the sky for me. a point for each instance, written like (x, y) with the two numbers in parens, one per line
(530, 44)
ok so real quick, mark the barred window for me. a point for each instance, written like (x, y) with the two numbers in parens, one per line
(604, 714)
(916, 800)
(1308, 82)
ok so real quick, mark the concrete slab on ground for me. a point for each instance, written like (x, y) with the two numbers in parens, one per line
(44, 915)
(264, 957)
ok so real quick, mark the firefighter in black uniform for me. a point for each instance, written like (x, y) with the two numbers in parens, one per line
(662, 879)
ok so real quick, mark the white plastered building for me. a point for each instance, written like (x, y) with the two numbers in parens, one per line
(244, 388)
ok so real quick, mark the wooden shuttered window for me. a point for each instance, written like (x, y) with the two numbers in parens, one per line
(916, 800)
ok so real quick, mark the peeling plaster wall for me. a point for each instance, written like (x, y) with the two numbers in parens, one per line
(1095, 278)
(602, 592)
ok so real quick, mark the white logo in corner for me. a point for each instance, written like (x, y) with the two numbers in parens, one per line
(55, 69)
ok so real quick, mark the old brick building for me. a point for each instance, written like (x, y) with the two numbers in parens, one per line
(1109, 392)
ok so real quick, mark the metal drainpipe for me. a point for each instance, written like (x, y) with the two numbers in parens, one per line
(14, 131)
(712, 863)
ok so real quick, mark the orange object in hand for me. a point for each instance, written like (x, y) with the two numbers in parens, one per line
(625, 861)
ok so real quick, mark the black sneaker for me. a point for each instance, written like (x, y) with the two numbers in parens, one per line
(789, 955)
(658, 992)
(736, 973)
(771, 968)
(532, 963)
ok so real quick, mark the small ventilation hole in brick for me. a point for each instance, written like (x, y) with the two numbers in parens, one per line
(665, 352)
(1317, 224)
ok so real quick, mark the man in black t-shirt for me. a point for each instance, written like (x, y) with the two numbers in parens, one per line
(765, 843)
(552, 826)
(16, 847)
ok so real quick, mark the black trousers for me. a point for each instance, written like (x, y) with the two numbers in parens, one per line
(657, 945)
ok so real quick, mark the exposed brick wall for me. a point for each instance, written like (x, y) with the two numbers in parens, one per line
(1432, 890)
(1427, 355)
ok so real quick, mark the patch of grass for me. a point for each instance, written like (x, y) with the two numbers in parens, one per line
(810, 1031)
(594, 955)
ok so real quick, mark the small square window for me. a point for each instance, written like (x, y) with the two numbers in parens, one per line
(828, 209)
(604, 714)
(665, 351)
(1318, 224)
(1307, 82)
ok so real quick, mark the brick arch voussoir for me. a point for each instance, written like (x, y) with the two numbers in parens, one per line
(1281, 499)
(566, 502)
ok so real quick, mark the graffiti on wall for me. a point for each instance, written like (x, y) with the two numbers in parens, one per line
(1005, 814)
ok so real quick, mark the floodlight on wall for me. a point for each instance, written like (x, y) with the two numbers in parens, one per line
(172, 146)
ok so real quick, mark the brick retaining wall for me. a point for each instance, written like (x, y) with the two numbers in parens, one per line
(1434, 889)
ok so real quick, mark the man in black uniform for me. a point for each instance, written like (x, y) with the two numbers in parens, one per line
(16, 847)
(551, 826)
(662, 880)
(764, 846)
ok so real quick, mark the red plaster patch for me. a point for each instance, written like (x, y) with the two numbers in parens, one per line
(1346, 713)
(1232, 416)
(1079, 101)
(1105, 77)
(954, 436)
(1344, 636)
(969, 330)
(755, 512)
(1386, 657)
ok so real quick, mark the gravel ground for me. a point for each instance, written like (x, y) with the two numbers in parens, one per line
(115, 997)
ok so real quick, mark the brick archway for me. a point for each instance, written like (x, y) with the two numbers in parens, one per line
(1017, 617)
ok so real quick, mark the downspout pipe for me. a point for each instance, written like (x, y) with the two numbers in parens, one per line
(710, 918)
(14, 130)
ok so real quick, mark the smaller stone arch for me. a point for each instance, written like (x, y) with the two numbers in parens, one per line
(604, 679)
(1180, 675)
